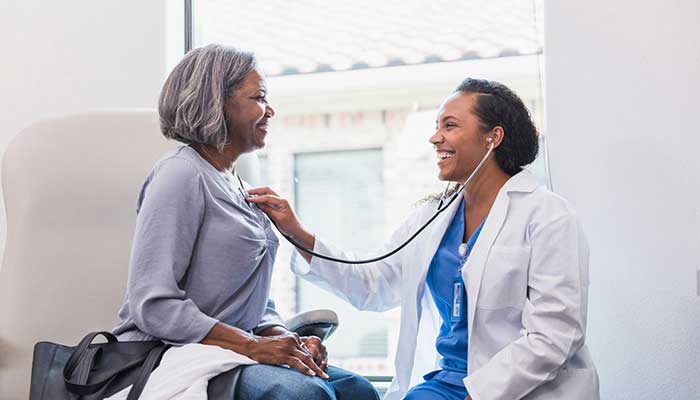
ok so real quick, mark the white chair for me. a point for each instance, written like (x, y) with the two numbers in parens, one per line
(70, 187)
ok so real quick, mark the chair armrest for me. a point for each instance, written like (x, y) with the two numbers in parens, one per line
(321, 323)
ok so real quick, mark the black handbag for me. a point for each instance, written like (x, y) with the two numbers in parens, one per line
(93, 371)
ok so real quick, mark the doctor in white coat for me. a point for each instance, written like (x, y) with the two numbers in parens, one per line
(517, 249)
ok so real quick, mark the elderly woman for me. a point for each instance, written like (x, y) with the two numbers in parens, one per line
(492, 294)
(202, 257)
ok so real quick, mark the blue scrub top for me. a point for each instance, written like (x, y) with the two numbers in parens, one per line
(444, 271)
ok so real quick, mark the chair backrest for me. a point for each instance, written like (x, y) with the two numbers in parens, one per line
(70, 187)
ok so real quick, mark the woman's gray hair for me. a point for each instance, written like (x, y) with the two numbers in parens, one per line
(191, 103)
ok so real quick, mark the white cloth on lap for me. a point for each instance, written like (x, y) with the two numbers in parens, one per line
(184, 372)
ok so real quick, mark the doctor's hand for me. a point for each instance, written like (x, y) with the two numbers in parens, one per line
(279, 211)
(277, 208)
(317, 349)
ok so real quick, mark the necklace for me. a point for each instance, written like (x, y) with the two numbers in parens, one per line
(241, 190)
(210, 158)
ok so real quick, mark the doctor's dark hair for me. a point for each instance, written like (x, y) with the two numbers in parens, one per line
(496, 105)
(191, 103)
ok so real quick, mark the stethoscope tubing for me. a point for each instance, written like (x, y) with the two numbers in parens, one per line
(439, 211)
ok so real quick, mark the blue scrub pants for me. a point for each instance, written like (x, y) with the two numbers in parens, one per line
(436, 390)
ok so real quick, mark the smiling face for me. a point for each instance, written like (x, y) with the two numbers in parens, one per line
(459, 139)
(248, 113)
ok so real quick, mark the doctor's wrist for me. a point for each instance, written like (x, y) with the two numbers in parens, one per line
(307, 240)
(302, 236)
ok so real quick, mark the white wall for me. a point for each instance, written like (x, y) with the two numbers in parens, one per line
(65, 56)
(622, 80)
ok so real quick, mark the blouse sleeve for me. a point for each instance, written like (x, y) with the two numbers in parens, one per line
(270, 318)
(171, 211)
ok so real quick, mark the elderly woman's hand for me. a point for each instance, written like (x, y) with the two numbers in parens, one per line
(317, 350)
(287, 349)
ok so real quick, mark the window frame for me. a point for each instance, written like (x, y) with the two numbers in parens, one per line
(189, 22)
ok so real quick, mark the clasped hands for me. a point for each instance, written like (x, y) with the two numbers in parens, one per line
(306, 354)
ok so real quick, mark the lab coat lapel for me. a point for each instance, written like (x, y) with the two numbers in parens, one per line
(473, 271)
(420, 262)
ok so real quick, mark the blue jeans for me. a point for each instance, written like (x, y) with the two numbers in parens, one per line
(436, 390)
(270, 382)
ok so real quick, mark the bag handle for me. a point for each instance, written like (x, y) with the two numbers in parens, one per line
(83, 350)
(75, 358)
(149, 365)
(80, 351)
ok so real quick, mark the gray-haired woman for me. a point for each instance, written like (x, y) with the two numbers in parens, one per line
(202, 257)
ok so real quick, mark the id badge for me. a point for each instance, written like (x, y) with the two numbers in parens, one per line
(457, 301)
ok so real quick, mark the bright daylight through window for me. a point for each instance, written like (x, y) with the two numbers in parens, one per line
(356, 86)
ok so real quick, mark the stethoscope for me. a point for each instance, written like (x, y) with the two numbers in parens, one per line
(440, 208)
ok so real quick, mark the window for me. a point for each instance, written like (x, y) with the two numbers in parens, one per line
(356, 86)
(340, 196)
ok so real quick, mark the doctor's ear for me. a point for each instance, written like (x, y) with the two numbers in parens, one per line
(495, 136)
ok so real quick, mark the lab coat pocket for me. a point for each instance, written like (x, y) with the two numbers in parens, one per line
(504, 282)
(569, 384)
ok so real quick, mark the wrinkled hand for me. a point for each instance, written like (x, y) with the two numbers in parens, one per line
(317, 350)
(277, 208)
(287, 349)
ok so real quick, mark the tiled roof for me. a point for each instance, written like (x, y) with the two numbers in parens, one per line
(306, 36)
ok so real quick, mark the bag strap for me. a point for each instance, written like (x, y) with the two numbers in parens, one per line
(149, 365)
(91, 389)
(82, 371)
(82, 356)
(80, 351)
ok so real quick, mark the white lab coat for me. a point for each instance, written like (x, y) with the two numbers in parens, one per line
(527, 287)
